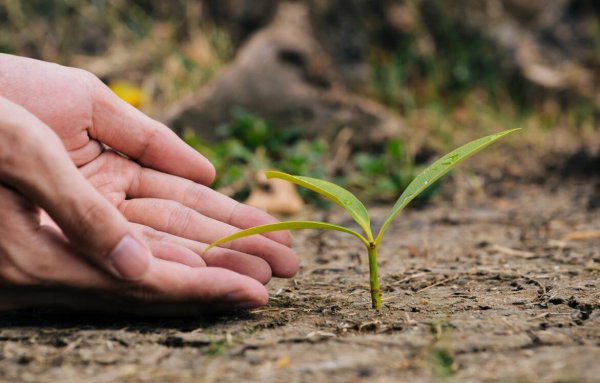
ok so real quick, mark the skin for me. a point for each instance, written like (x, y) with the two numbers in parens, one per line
(67, 205)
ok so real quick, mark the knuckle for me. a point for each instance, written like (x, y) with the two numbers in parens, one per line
(16, 141)
(20, 265)
(38, 269)
(87, 218)
(23, 260)
(13, 276)
(9, 158)
(151, 234)
(24, 141)
(194, 195)
(180, 218)
(90, 80)
(15, 246)
(93, 88)
(150, 140)
(11, 271)
(234, 210)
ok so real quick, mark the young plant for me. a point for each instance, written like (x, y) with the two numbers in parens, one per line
(358, 211)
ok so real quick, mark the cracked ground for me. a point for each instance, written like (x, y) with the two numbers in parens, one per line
(498, 289)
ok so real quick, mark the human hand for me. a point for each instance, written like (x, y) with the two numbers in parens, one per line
(39, 267)
(171, 206)
(84, 113)
(94, 249)
(174, 210)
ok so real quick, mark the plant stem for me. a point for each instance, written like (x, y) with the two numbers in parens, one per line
(374, 278)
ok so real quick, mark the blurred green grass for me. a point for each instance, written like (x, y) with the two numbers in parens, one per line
(160, 46)
(446, 95)
(249, 144)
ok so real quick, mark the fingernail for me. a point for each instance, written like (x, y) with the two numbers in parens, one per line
(130, 258)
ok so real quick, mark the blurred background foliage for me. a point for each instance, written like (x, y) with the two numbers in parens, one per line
(249, 144)
(438, 65)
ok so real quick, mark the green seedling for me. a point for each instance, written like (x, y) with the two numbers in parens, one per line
(357, 210)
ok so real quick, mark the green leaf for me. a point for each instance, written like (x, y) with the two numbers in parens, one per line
(290, 225)
(333, 192)
(437, 170)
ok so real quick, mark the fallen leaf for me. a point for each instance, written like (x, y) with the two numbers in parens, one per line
(584, 235)
(275, 196)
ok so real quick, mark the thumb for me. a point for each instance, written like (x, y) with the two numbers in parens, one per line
(98, 229)
(35, 162)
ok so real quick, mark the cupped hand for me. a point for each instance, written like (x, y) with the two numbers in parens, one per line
(160, 185)
(90, 257)
(175, 210)
(85, 113)
(40, 267)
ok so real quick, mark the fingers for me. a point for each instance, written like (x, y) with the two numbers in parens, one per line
(211, 285)
(175, 253)
(168, 289)
(118, 177)
(87, 153)
(179, 220)
(34, 162)
(70, 100)
(129, 131)
(253, 267)
(170, 292)
(245, 264)
(33, 254)
(152, 184)
(54, 273)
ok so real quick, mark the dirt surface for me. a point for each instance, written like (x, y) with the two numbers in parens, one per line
(502, 289)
